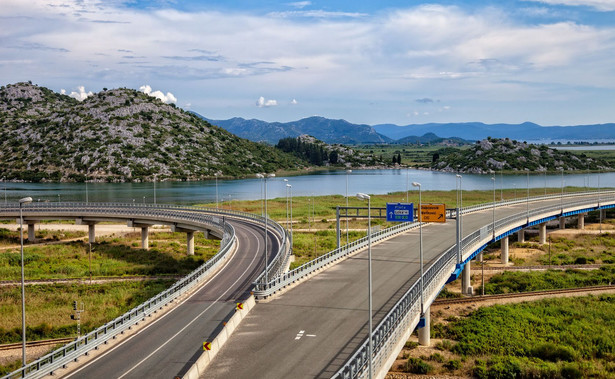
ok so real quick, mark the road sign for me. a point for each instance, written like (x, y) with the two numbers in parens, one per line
(433, 213)
(400, 212)
(239, 306)
(206, 345)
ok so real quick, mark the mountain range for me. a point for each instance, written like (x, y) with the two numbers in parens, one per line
(344, 132)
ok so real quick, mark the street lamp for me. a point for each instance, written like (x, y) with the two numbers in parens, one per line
(3, 178)
(459, 228)
(286, 187)
(363, 196)
(527, 200)
(216, 175)
(562, 196)
(493, 180)
(154, 189)
(23, 201)
(417, 184)
(290, 188)
(86, 188)
(348, 172)
(265, 177)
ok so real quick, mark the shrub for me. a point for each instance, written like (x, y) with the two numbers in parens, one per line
(550, 351)
(444, 345)
(452, 365)
(411, 345)
(571, 371)
(418, 366)
(437, 357)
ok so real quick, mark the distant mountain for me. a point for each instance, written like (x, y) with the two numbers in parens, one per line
(324, 129)
(523, 132)
(119, 135)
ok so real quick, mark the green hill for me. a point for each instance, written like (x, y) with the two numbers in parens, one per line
(119, 135)
(509, 155)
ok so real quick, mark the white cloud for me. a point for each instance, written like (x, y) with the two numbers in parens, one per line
(81, 95)
(300, 4)
(294, 102)
(168, 98)
(601, 5)
(262, 103)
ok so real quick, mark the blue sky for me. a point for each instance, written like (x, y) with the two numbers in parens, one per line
(547, 61)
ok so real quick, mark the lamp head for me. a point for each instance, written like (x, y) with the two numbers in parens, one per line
(363, 196)
(459, 176)
(260, 176)
(288, 185)
(348, 171)
(25, 200)
(416, 184)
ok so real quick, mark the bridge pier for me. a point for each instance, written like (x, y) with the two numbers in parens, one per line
(91, 228)
(562, 222)
(504, 255)
(31, 236)
(424, 331)
(466, 284)
(189, 238)
(581, 223)
(542, 233)
(521, 235)
(145, 238)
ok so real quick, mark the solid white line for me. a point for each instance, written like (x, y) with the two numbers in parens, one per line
(177, 306)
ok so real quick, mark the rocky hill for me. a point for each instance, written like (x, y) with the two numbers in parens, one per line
(319, 153)
(118, 135)
(509, 155)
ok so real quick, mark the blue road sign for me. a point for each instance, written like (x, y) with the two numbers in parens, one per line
(400, 212)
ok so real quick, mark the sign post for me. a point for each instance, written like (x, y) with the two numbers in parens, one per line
(400, 212)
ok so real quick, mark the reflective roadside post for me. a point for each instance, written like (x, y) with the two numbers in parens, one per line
(363, 196)
(23, 201)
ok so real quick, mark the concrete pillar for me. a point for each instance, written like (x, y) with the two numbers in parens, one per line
(190, 242)
(466, 284)
(91, 233)
(562, 222)
(424, 332)
(31, 237)
(504, 254)
(542, 233)
(145, 237)
(581, 223)
(521, 235)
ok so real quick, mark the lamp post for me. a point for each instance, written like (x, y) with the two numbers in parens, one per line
(3, 178)
(265, 177)
(363, 196)
(216, 190)
(86, 189)
(286, 187)
(23, 201)
(154, 189)
(417, 184)
(527, 199)
(459, 217)
(348, 172)
(562, 196)
(290, 188)
(493, 180)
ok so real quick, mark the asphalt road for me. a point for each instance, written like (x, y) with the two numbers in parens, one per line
(170, 345)
(309, 331)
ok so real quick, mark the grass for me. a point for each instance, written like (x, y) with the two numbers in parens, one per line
(112, 256)
(560, 337)
(11, 237)
(48, 308)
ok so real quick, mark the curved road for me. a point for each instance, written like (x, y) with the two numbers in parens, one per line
(168, 346)
(312, 329)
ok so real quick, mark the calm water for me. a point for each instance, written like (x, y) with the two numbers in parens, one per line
(322, 183)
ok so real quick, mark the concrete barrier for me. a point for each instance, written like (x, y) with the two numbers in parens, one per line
(198, 368)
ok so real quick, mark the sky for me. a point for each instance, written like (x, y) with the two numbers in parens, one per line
(551, 62)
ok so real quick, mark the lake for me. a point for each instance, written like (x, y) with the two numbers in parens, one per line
(314, 184)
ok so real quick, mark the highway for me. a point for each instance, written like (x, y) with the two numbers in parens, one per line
(167, 347)
(312, 329)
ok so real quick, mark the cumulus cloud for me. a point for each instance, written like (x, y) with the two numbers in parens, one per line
(263, 103)
(168, 98)
(294, 102)
(300, 4)
(601, 5)
(81, 95)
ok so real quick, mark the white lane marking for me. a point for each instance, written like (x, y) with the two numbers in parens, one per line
(166, 314)
(302, 333)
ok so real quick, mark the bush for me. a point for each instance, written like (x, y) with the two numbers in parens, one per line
(549, 351)
(452, 365)
(571, 371)
(437, 357)
(411, 345)
(418, 366)
(444, 345)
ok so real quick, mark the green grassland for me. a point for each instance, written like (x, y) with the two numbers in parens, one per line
(11, 237)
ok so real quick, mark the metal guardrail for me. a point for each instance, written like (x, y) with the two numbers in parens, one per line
(398, 317)
(196, 216)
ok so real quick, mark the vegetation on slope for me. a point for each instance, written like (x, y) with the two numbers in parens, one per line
(319, 153)
(118, 135)
(509, 155)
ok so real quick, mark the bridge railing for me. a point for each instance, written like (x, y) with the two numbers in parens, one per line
(194, 215)
(391, 327)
